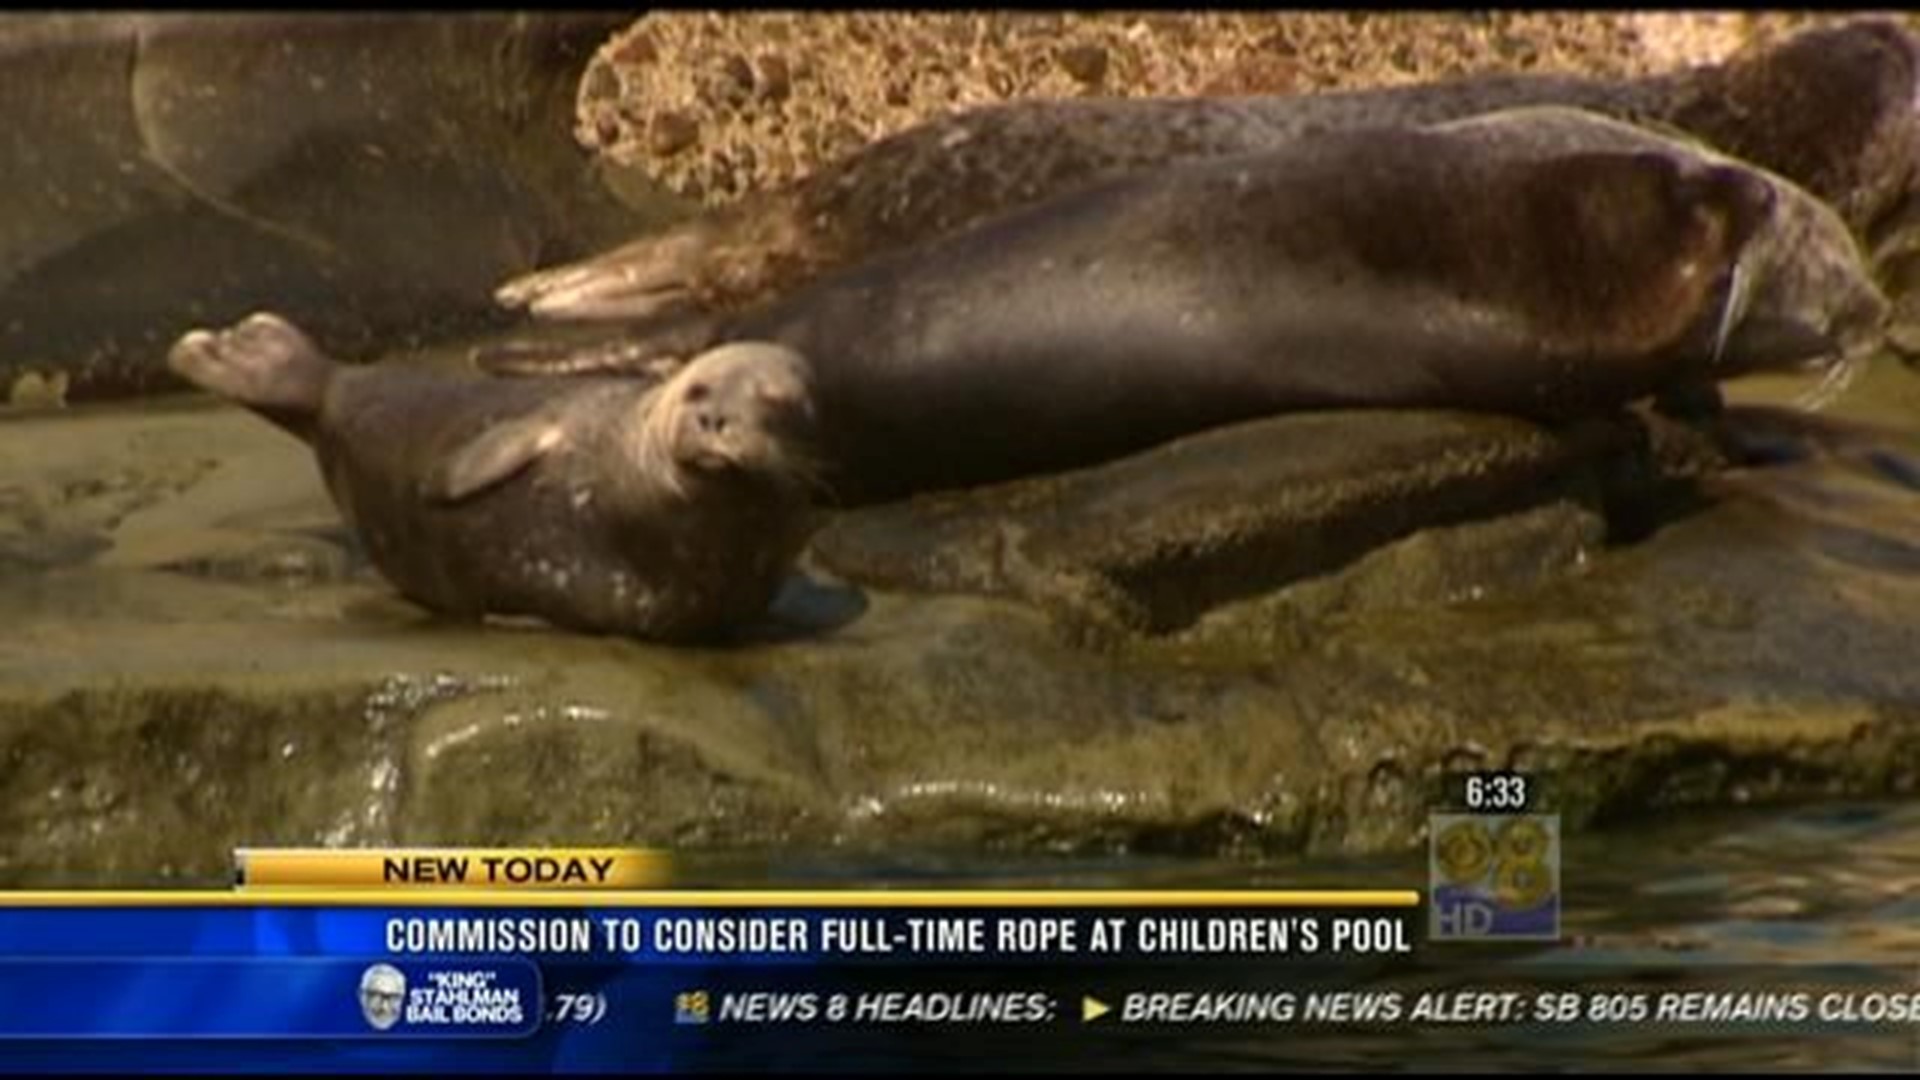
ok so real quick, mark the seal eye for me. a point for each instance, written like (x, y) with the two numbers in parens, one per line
(698, 393)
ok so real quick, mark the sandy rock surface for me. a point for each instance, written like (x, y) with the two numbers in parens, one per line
(717, 104)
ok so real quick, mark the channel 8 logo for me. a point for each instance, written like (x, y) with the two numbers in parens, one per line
(691, 1007)
(1494, 877)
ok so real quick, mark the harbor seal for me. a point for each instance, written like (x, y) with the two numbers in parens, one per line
(1399, 269)
(1831, 110)
(670, 511)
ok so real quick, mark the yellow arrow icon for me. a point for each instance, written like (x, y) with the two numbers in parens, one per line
(1092, 1008)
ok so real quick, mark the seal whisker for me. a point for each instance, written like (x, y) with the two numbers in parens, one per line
(1731, 309)
(653, 452)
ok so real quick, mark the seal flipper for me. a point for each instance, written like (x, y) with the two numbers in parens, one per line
(264, 363)
(492, 457)
(648, 277)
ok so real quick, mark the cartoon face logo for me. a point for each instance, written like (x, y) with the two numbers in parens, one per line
(382, 989)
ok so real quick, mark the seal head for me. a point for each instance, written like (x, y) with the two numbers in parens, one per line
(1803, 291)
(742, 409)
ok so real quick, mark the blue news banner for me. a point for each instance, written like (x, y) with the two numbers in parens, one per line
(1473, 969)
(551, 987)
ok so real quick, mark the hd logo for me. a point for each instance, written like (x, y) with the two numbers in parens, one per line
(1494, 877)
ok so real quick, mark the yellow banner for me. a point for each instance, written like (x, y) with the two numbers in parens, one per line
(450, 868)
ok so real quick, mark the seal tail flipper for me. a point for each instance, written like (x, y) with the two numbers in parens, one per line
(263, 362)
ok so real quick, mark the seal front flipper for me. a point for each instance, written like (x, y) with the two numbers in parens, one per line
(647, 277)
(264, 363)
(492, 457)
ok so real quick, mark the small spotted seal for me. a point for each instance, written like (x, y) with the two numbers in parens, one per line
(1359, 269)
(1831, 110)
(669, 511)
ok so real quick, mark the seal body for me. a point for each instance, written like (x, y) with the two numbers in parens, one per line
(1367, 269)
(669, 511)
(1830, 110)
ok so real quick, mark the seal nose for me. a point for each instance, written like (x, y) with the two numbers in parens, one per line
(707, 414)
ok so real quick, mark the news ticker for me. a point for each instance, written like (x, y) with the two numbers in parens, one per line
(450, 943)
(449, 958)
(512, 964)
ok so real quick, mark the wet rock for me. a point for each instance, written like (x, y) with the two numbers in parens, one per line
(1152, 542)
(1438, 565)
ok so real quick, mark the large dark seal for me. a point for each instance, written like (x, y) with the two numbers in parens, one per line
(669, 511)
(1365, 269)
(1831, 110)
